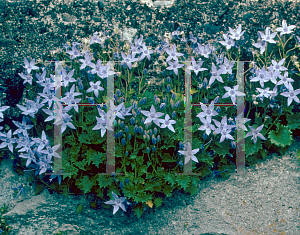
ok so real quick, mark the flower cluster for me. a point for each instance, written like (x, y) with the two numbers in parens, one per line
(39, 150)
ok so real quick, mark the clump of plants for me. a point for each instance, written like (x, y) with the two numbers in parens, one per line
(113, 137)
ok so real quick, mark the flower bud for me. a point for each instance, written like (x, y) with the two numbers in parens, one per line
(181, 145)
(134, 113)
(150, 132)
(155, 131)
(153, 140)
(141, 130)
(119, 122)
(204, 83)
(148, 150)
(153, 148)
(158, 138)
(172, 103)
(134, 104)
(205, 101)
(218, 109)
(148, 137)
(216, 100)
(118, 93)
(145, 71)
(123, 141)
(165, 100)
(204, 136)
(126, 129)
(173, 96)
(211, 153)
(120, 133)
(144, 137)
(168, 88)
(154, 97)
(231, 77)
(144, 100)
(168, 79)
(80, 85)
(136, 129)
(157, 101)
(164, 73)
(129, 136)
(121, 185)
(122, 124)
(121, 100)
(131, 121)
(233, 144)
(162, 105)
(173, 114)
(202, 148)
(141, 101)
(138, 112)
(177, 104)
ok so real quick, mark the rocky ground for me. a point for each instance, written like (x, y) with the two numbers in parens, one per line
(34, 28)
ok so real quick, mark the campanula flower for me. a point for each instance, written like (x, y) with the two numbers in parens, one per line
(208, 127)
(215, 74)
(236, 34)
(30, 157)
(95, 87)
(30, 66)
(117, 203)
(285, 29)
(20, 189)
(8, 141)
(27, 78)
(196, 67)
(174, 66)
(262, 76)
(255, 133)
(232, 92)
(22, 127)
(208, 112)
(152, 116)
(189, 153)
(291, 94)
(167, 123)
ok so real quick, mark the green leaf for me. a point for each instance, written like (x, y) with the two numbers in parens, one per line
(138, 210)
(79, 208)
(95, 157)
(170, 178)
(104, 180)
(293, 121)
(298, 153)
(192, 190)
(38, 188)
(263, 153)
(81, 164)
(221, 148)
(251, 148)
(183, 181)
(85, 183)
(167, 158)
(282, 136)
(157, 202)
(49, 127)
(168, 189)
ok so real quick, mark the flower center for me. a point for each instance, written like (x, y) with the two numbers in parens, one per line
(152, 115)
(167, 123)
(95, 86)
